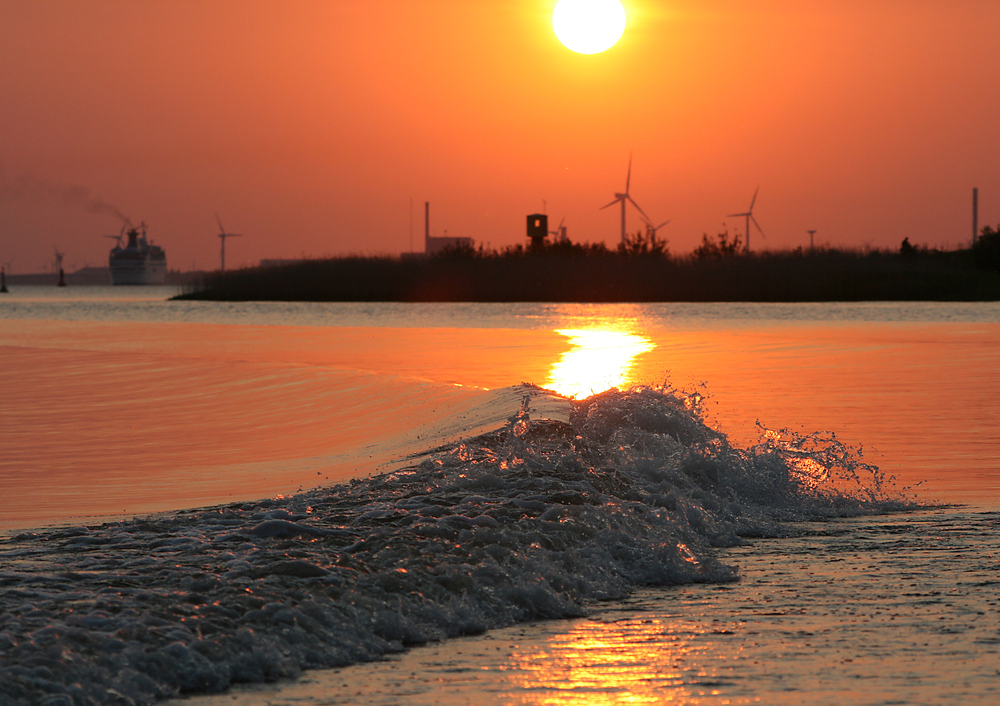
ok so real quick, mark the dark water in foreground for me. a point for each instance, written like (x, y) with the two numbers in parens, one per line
(887, 610)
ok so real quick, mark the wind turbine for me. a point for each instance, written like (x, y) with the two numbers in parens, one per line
(749, 216)
(559, 232)
(118, 238)
(223, 235)
(625, 197)
(653, 228)
(58, 261)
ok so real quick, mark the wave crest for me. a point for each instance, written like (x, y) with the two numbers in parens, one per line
(534, 520)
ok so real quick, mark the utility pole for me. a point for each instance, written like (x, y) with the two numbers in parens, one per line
(975, 216)
(811, 234)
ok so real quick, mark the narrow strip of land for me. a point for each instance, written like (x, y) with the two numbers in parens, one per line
(600, 275)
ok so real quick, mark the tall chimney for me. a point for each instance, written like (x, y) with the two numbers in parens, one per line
(975, 216)
(427, 224)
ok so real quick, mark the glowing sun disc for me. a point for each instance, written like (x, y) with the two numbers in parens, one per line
(588, 26)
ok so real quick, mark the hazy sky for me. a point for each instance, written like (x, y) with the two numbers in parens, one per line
(311, 126)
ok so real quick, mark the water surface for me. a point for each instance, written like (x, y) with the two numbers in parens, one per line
(117, 403)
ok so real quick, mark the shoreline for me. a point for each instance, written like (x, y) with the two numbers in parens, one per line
(800, 602)
(605, 277)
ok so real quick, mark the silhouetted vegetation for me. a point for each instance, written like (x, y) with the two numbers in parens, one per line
(644, 244)
(986, 251)
(721, 247)
(641, 269)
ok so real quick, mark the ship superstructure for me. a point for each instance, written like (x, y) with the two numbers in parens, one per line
(139, 261)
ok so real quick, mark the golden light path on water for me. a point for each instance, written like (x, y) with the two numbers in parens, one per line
(600, 664)
(598, 360)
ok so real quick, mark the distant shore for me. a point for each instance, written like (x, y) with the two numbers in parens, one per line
(92, 277)
(607, 276)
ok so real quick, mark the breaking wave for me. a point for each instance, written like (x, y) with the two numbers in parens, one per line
(534, 520)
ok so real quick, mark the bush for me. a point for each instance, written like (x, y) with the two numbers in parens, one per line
(721, 247)
(644, 245)
(986, 251)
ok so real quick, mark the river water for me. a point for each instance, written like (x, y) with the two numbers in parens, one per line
(118, 404)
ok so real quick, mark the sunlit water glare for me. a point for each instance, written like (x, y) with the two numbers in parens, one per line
(598, 360)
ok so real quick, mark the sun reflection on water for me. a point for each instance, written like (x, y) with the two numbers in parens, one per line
(598, 360)
(623, 662)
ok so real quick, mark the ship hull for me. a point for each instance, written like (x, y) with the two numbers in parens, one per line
(138, 272)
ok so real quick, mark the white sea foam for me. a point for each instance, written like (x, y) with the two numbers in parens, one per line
(537, 519)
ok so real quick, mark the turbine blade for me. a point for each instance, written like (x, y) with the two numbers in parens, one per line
(758, 226)
(609, 205)
(737, 215)
(628, 177)
(753, 200)
(221, 229)
(638, 207)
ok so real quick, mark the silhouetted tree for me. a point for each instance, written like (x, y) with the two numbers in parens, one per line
(571, 249)
(644, 245)
(986, 251)
(721, 247)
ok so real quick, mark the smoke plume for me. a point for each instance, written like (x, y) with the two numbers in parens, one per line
(28, 187)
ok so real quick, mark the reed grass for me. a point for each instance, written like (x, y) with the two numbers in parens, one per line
(596, 274)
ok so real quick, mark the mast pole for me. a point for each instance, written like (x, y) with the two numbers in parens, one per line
(975, 216)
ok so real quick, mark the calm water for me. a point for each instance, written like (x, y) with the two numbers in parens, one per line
(122, 402)
(119, 403)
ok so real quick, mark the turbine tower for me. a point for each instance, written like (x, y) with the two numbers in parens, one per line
(223, 235)
(653, 228)
(749, 217)
(624, 198)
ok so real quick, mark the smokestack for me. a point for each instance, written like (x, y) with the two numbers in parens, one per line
(427, 224)
(975, 216)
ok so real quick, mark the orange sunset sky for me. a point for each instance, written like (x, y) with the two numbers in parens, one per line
(311, 126)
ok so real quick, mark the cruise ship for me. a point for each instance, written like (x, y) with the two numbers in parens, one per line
(139, 262)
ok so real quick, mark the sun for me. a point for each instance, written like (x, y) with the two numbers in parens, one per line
(588, 26)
